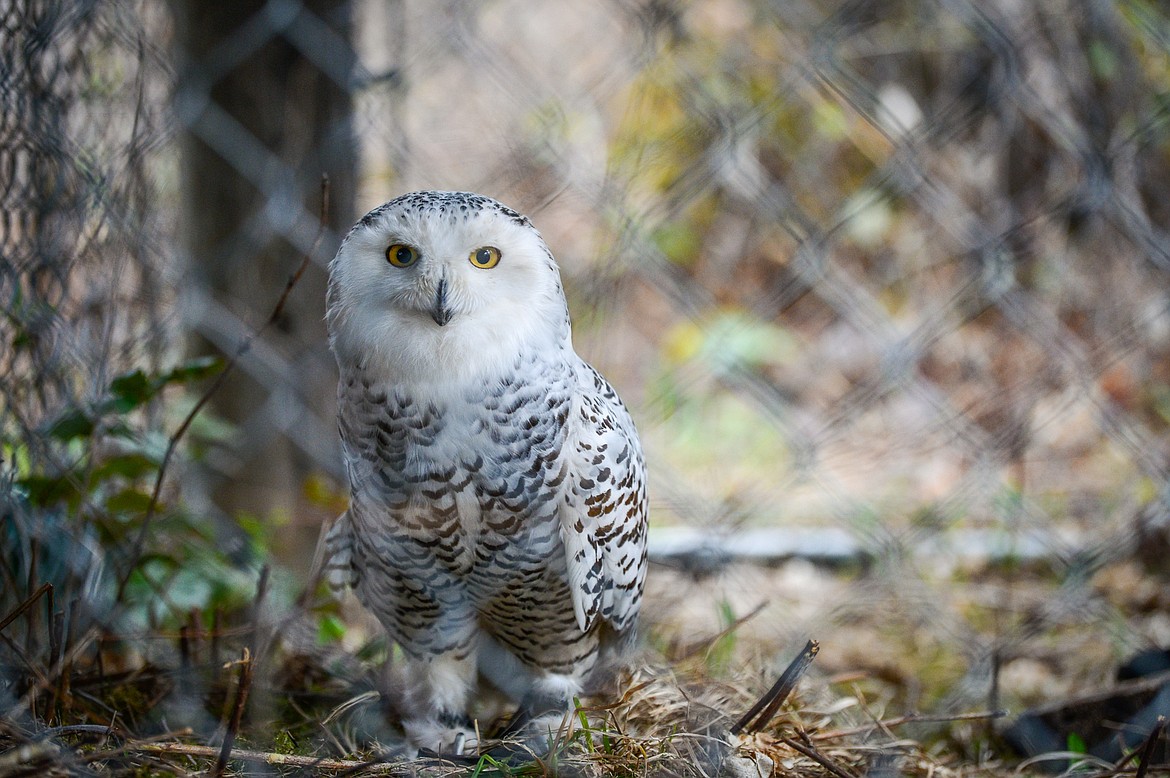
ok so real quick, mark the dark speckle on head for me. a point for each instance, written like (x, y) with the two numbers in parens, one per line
(451, 205)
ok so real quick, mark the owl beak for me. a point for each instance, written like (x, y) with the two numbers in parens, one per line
(441, 312)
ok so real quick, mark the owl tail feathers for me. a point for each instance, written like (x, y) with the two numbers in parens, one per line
(333, 559)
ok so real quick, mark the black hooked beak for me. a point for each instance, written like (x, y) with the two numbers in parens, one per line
(441, 313)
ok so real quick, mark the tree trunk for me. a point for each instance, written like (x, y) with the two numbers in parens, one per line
(262, 122)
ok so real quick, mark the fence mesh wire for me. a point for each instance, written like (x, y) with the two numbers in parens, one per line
(86, 226)
(885, 284)
(84, 241)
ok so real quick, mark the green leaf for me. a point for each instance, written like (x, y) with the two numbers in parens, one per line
(126, 465)
(73, 423)
(131, 390)
(128, 501)
(585, 730)
(329, 629)
(194, 370)
(43, 490)
(720, 654)
(283, 742)
(1076, 744)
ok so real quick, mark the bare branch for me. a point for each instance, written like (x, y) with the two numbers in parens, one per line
(244, 347)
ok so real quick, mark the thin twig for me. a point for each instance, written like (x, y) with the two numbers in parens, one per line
(705, 644)
(264, 757)
(19, 653)
(765, 708)
(215, 636)
(244, 347)
(1082, 758)
(1154, 768)
(135, 746)
(233, 726)
(260, 639)
(14, 614)
(1148, 748)
(818, 757)
(910, 718)
(66, 729)
(28, 700)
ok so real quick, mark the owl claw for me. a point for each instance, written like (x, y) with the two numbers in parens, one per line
(426, 753)
(435, 739)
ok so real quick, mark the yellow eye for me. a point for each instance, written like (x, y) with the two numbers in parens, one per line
(401, 255)
(486, 257)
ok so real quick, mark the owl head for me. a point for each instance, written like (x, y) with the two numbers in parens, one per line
(441, 284)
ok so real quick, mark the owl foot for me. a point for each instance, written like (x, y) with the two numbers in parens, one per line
(444, 735)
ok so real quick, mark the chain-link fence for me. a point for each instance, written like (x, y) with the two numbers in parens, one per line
(85, 239)
(86, 235)
(884, 284)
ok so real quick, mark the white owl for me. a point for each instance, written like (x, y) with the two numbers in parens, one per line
(497, 518)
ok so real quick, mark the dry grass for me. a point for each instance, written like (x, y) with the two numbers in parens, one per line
(251, 696)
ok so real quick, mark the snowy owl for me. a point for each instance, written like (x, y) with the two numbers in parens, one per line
(497, 515)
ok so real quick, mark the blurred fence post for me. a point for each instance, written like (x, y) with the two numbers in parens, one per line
(260, 82)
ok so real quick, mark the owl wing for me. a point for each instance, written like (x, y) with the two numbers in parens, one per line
(604, 511)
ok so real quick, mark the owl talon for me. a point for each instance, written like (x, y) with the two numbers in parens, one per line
(440, 739)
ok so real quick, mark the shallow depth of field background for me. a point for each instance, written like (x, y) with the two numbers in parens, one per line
(886, 286)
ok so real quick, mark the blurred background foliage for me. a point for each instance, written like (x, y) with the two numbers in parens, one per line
(884, 284)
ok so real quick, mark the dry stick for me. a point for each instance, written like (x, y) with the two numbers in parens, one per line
(259, 639)
(280, 760)
(1154, 768)
(19, 653)
(28, 603)
(704, 644)
(57, 657)
(1148, 748)
(1124, 761)
(44, 681)
(910, 718)
(241, 350)
(818, 757)
(66, 680)
(22, 653)
(874, 718)
(765, 708)
(138, 746)
(233, 726)
(215, 636)
(1159, 723)
(50, 607)
(33, 556)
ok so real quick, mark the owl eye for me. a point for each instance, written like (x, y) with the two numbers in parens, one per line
(401, 255)
(485, 257)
